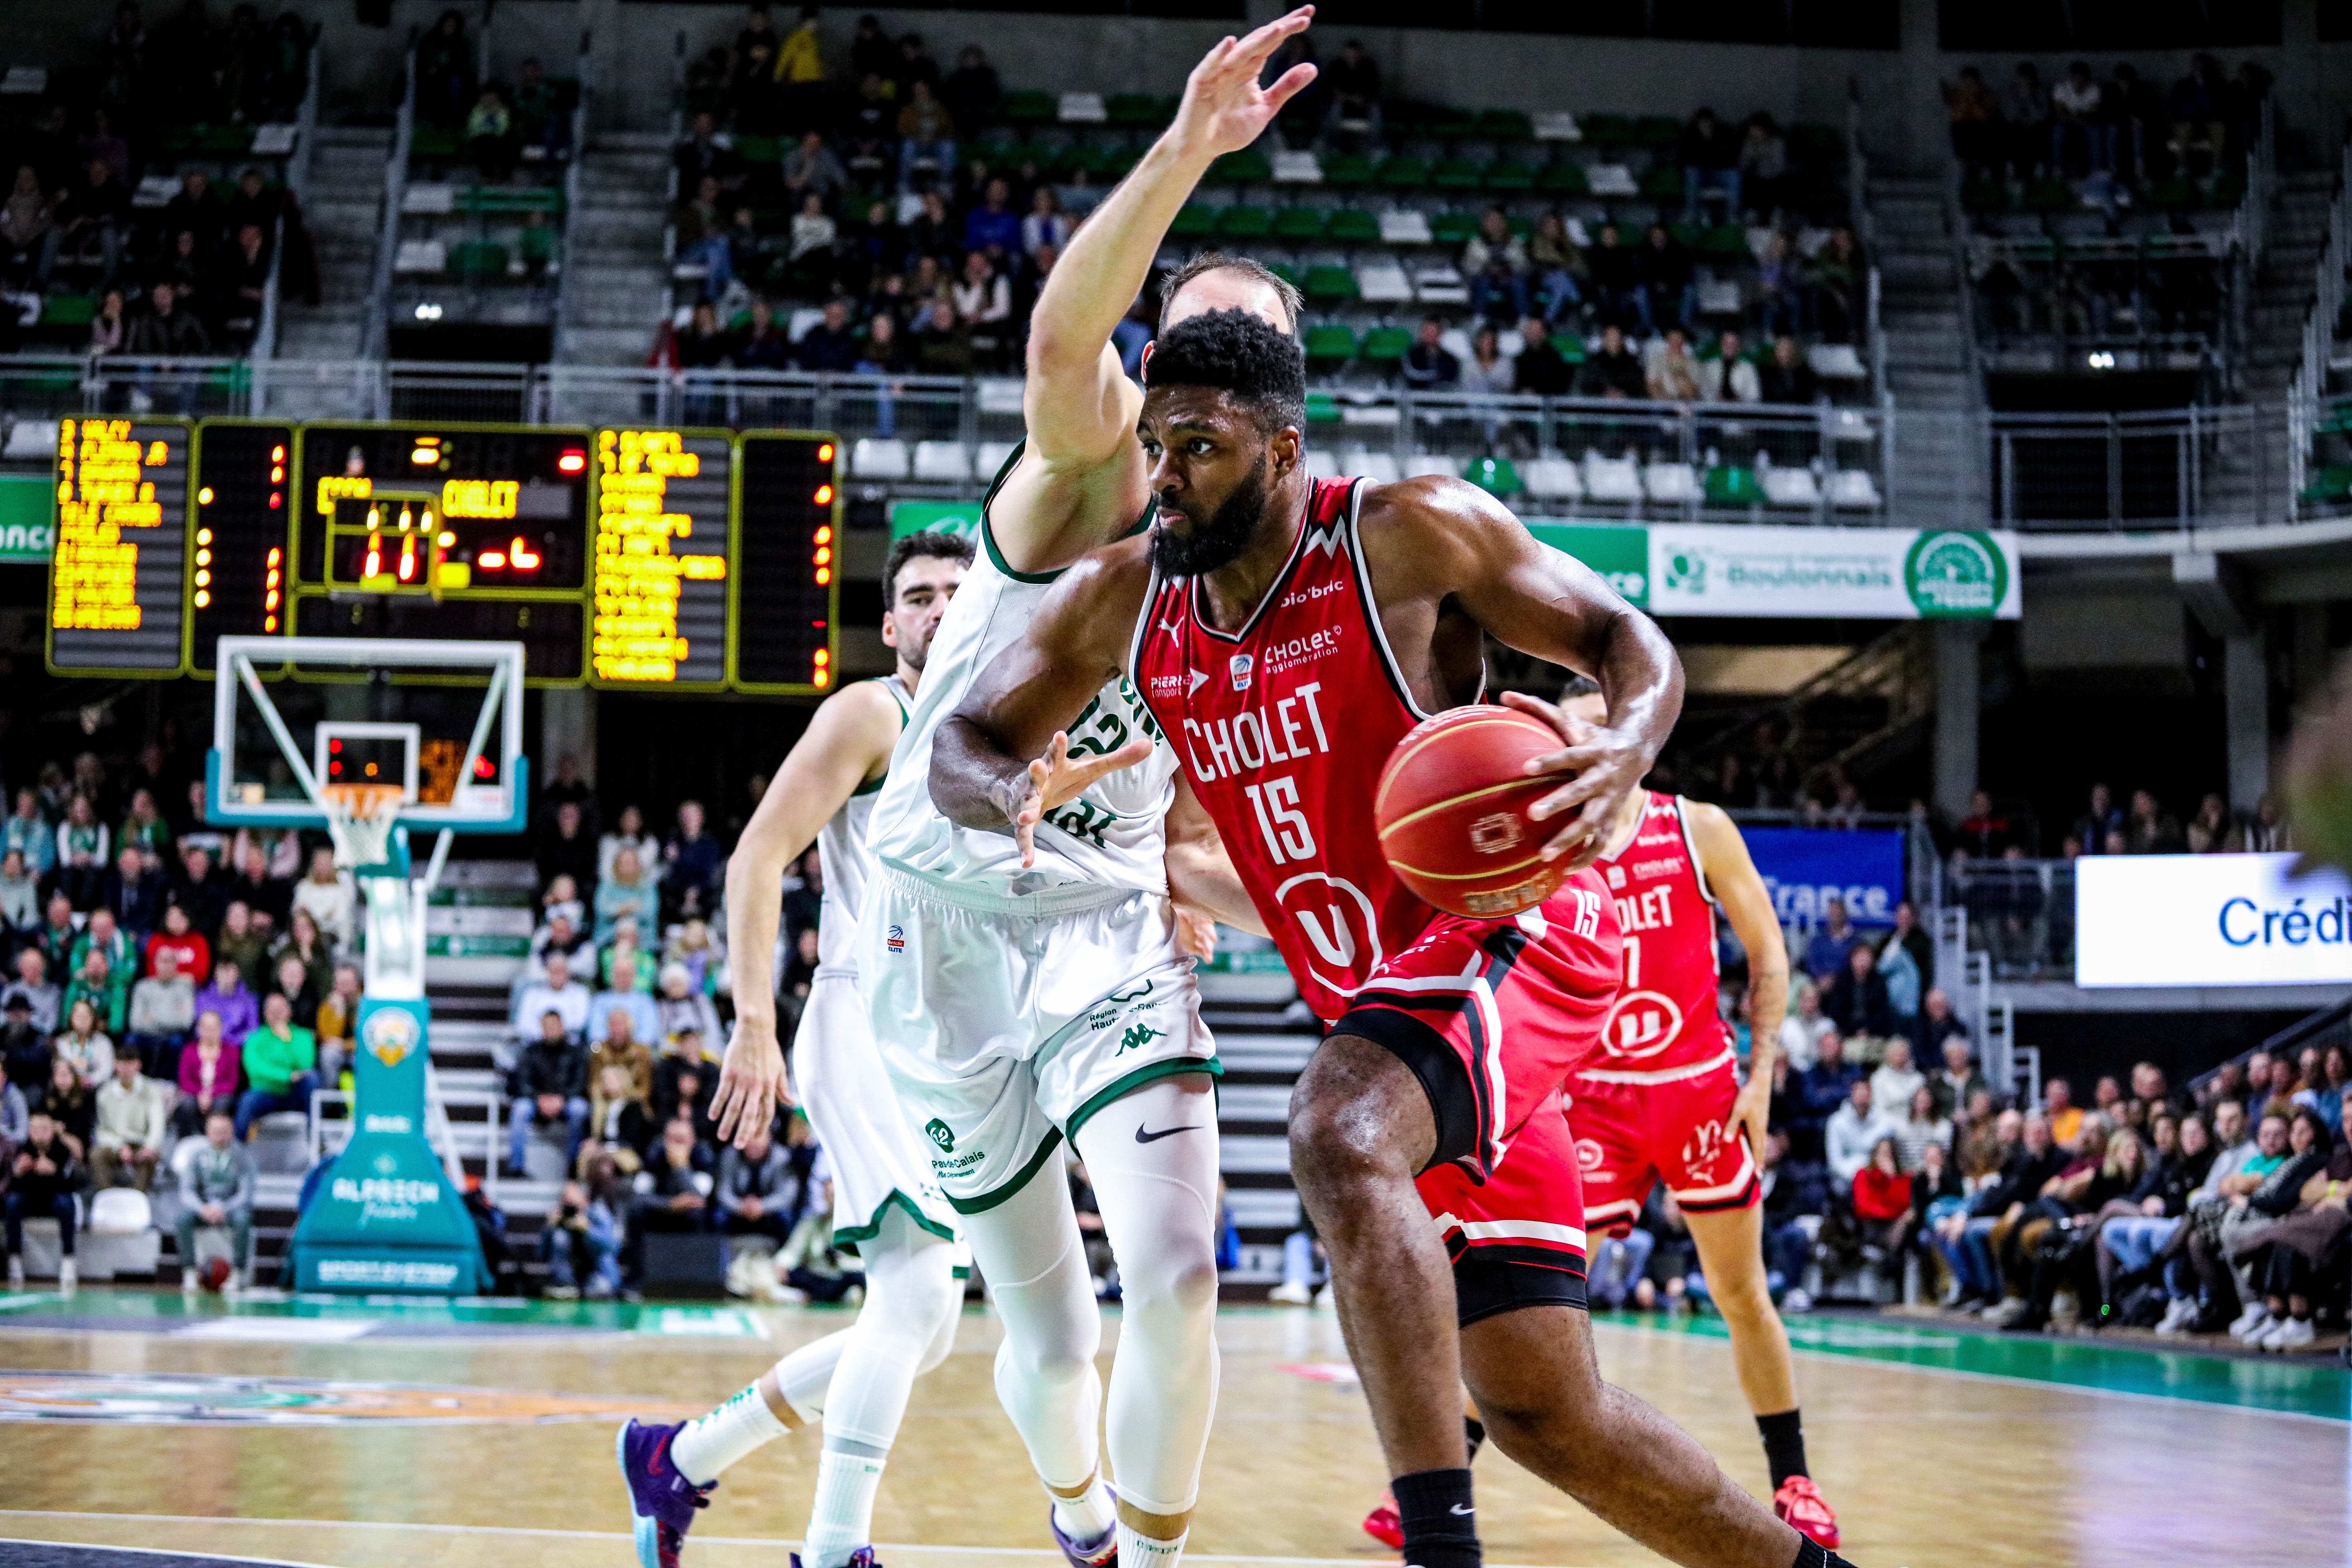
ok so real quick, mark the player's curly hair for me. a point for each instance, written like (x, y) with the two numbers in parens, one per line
(1240, 352)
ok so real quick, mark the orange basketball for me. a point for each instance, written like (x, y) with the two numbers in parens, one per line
(1453, 811)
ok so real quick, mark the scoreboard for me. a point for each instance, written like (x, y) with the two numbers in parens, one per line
(621, 559)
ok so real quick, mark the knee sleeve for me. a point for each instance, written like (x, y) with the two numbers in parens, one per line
(1158, 1204)
(911, 1297)
(1030, 1252)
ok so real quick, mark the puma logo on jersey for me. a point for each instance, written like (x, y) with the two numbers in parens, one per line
(1325, 539)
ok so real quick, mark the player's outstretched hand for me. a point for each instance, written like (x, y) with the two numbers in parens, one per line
(1225, 110)
(1608, 765)
(752, 1083)
(1057, 778)
(1196, 934)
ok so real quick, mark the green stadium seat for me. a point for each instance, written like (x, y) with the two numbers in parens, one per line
(1133, 109)
(1347, 171)
(1510, 174)
(1506, 125)
(1733, 487)
(1607, 132)
(1330, 283)
(1496, 476)
(1657, 131)
(69, 309)
(2332, 482)
(1284, 270)
(1402, 172)
(1564, 178)
(433, 141)
(1247, 167)
(997, 140)
(1662, 182)
(1443, 119)
(1453, 228)
(1322, 408)
(478, 258)
(1331, 342)
(1684, 233)
(1455, 175)
(759, 149)
(538, 246)
(2049, 196)
(1386, 345)
(1570, 347)
(1244, 223)
(1028, 107)
(1299, 223)
(1353, 226)
(1193, 221)
(226, 137)
(1727, 239)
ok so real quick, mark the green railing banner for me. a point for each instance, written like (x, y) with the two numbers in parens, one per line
(948, 516)
(28, 504)
(1763, 570)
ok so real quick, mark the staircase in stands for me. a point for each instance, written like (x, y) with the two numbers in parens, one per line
(616, 277)
(1937, 472)
(2246, 476)
(344, 211)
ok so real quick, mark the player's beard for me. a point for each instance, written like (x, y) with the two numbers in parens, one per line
(914, 651)
(1206, 546)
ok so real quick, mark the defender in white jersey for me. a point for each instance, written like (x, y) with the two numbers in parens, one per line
(1027, 988)
(886, 1206)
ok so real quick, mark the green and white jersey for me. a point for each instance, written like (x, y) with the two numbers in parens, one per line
(841, 851)
(1113, 836)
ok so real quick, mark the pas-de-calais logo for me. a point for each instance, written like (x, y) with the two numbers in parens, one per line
(1642, 1025)
(1952, 573)
(938, 1132)
(390, 1036)
(1687, 572)
(1240, 666)
(896, 941)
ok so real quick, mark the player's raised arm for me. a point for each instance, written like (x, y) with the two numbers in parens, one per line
(1738, 887)
(1002, 760)
(1081, 463)
(1439, 540)
(847, 741)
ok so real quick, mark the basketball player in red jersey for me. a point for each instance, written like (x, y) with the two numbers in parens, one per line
(1285, 634)
(1662, 1101)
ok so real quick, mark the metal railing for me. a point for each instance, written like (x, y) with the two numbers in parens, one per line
(2169, 468)
(2253, 231)
(377, 329)
(2020, 915)
(2307, 394)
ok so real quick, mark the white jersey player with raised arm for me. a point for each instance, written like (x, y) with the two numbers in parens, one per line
(1027, 987)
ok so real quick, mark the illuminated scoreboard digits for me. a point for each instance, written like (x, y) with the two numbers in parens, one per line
(788, 518)
(240, 581)
(116, 583)
(660, 611)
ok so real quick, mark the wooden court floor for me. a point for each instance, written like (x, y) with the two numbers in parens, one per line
(465, 1445)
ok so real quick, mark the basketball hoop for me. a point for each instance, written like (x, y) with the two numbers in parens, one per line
(360, 817)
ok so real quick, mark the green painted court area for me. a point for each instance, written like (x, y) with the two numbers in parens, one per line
(266, 1315)
(2317, 1387)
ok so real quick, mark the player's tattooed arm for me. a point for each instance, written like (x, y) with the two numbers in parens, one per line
(1002, 760)
(1439, 549)
(1747, 903)
(847, 741)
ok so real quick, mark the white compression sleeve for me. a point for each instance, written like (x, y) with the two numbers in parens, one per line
(906, 1328)
(1159, 1202)
(1029, 1251)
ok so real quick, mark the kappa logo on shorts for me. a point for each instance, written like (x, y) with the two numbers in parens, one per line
(896, 941)
(1137, 1037)
(939, 1132)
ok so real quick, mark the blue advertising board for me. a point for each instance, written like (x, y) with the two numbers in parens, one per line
(1805, 867)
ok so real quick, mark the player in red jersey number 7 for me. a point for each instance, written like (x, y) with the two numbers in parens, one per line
(1285, 634)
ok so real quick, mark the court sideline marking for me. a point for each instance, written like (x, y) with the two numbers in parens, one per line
(540, 1533)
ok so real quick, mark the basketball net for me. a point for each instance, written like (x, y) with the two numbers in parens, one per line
(360, 819)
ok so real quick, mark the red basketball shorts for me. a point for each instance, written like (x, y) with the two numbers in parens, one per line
(1630, 1135)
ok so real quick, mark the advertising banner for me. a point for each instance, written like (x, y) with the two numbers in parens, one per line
(947, 516)
(2209, 920)
(26, 505)
(1805, 867)
(1761, 570)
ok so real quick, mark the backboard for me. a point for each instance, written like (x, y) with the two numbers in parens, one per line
(440, 721)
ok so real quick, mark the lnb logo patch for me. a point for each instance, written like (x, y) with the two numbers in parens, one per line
(896, 941)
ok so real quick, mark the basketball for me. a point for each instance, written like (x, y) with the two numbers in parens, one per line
(1452, 807)
(214, 1276)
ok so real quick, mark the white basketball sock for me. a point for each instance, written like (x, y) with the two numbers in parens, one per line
(843, 1519)
(1088, 1517)
(704, 1448)
(1143, 1550)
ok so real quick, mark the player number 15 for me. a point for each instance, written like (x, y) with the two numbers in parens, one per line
(1288, 836)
